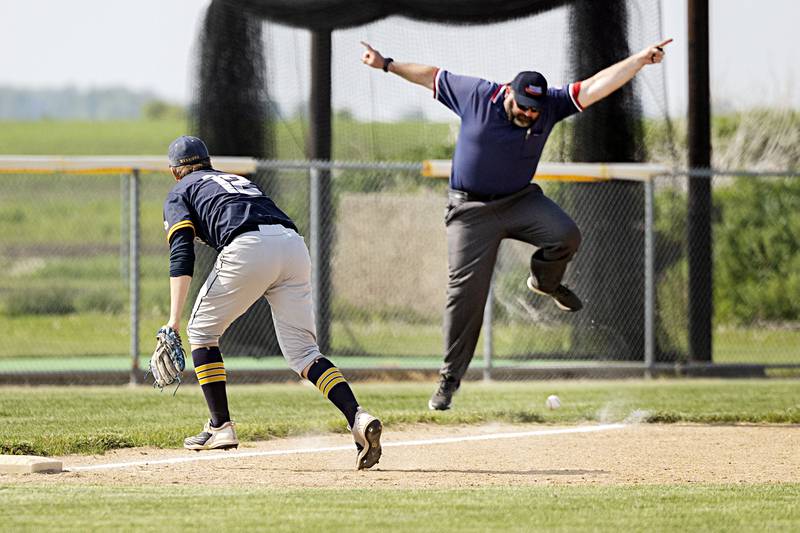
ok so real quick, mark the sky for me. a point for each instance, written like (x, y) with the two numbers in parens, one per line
(148, 45)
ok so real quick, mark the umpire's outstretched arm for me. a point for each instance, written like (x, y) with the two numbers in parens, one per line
(612, 78)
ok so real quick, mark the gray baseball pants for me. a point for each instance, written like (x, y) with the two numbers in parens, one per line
(272, 263)
(474, 232)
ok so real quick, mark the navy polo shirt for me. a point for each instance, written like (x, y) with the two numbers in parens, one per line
(493, 155)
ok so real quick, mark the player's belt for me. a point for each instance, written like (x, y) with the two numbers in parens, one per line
(463, 196)
(246, 228)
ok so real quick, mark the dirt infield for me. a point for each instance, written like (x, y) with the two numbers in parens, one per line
(633, 454)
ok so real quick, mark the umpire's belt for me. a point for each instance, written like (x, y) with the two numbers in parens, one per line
(463, 196)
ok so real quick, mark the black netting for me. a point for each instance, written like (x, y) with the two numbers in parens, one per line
(230, 108)
(234, 107)
(610, 217)
(255, 53)
(281, 88)
(333, 14)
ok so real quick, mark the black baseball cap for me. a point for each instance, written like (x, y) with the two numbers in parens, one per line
(530, 89)
(186, 150)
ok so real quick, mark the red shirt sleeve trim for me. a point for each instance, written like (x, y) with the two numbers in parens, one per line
(574, 91)
(497, 92)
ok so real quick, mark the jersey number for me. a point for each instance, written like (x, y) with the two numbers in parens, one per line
(236, 184)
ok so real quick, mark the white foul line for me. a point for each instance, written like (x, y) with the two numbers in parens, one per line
(296, 451)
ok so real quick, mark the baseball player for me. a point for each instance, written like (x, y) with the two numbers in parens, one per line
(260, 255)
(504, 127)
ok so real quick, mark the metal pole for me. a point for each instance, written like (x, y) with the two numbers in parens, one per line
(320, 139)
(315, 244)
(649, 276)
(700, 259)
(133, 254)
(124, 232)
(488, 344)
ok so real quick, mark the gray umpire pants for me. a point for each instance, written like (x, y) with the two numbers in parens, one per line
(474, 232)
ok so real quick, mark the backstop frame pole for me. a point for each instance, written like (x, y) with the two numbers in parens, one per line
(700, 258)
(488, 340)
(133, 270)
(321, 188)
(649, 276)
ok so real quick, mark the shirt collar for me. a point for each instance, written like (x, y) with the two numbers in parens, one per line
(498, 93)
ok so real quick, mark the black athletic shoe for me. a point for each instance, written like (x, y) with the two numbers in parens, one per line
(443, 397)
(565, 299)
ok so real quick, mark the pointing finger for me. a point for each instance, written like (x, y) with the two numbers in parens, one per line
(368, 46)
(665, 43)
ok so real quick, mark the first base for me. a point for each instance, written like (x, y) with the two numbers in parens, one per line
(27, 464)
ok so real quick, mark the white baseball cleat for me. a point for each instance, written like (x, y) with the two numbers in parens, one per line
(211, 438)
(367, 434)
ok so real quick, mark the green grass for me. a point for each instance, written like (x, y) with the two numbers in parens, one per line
(273, 362)
(79, 334)
(56, 246)
(267, 362)
(96, 287)
(73, 137)
(78, 210)
(406, 141)
(756, 345)
(87, 420)
(61, 420)
(68, 232)
(69, 335)
(561, 508)
(403, 339)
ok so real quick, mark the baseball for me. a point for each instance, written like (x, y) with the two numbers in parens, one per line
(552, 402)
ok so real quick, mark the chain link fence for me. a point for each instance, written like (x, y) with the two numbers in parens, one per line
(85, 263)
(756, 253)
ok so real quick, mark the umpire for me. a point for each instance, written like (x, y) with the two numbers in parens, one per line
(503, 132)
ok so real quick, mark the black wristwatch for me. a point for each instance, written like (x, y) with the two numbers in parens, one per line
(386, 62)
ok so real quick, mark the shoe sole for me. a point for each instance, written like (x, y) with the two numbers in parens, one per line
(558, 304)
(370, 456)
(434, 408)
(220, 447)
(216, 446)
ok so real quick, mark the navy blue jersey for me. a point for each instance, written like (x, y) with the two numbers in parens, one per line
(493, 155)
(217, 206)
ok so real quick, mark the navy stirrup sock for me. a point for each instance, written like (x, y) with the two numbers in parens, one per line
(211, 376)
(331, 383)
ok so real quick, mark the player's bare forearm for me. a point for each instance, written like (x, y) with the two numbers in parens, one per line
(612, 78)
(178, 291)
(413, 72)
